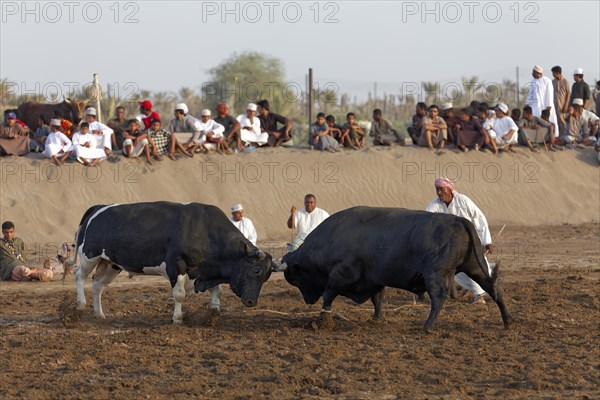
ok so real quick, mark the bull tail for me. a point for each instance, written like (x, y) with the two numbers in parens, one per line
(477, 247)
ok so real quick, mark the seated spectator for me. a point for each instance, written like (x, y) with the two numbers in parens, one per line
(136, 142)
(101, 133)
(268, 123)
(447, 113)
(65, 124)
(243, 224)
(184, 123)
(232, 127)
(119, 124)
(146, 114)
(355, 132)
(593, 122)
(84, 147)
(505, 131)
(434, 131)
(250, 127)
(383, 131)
(578, 129)
(553, 139)
(17, 120)
(414, 131)
(211, 132)
(12, 259)
(515, 114)
(469, 132)
(534, 126)
(487, 117)
(41, 134)
(320, 137)
(162, 141)
(13, 138)
(58, 145)
(336, 131)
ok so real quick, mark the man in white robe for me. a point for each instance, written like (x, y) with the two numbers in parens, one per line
(101, 133)
(250, 131)
(449, 201)
(244, 224)
(84, 147)
(541, 96)
(57, 144)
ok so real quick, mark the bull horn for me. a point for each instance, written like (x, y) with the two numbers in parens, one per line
(279, 266)
(260, 254)
(67, 100)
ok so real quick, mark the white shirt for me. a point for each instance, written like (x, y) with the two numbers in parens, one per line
(58, 139)
(253, 135)
(211, 126)
(504, 125)
(464, 207)
(540, 97)
(247, 228)
(306, 223)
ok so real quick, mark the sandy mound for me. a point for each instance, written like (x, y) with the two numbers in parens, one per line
(46, 202)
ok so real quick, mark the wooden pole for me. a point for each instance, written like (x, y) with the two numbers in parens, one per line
(310, 98)
(97, 92)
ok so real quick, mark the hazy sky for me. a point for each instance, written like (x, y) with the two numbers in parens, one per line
(163, 46)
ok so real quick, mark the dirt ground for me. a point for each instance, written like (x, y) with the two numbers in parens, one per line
(276, 350)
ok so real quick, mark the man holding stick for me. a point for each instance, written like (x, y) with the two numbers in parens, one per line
(449, 201)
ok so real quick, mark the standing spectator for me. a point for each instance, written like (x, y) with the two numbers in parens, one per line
(250, 127)
(119, 124)
(232, 127)
(163, 141)
(12, 258)
(562, 93)
(320, 138)
(102, 134)
(434, 133)
(598, 98)
(414, 131)
(58, 145)
(146, 114)
(541, 95)
(37, 143)
(244, 224)
(305, 220)
(268, 123)
(580, 89)
(13, 138)
(355, 132)
(449, 201)
(383, 131)
(505, 131)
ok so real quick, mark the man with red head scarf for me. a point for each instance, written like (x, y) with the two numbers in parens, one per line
(232, 126)
(449, 201)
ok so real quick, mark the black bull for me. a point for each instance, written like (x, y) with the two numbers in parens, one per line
(357, 252)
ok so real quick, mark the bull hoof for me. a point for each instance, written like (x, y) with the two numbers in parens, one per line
(325, 321)
(212, 317)
(178, 321)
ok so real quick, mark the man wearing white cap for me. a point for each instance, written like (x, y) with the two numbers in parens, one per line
(449, 201)
(447, 114)
(184, 122)
(541, 96)
(58, 145)
(250, 127)
(242, 223)
(580, 89)
(505, 132)
(208, 131)
(101, 133)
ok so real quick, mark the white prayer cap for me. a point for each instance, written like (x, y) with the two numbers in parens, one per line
(578, 71)
(578, 102)
(55, 122)
(446, 106)
(90, 111)
(251, 107)
(539, 69)
(502, 107)
(236, 207)
(205, 113)
(182, 106)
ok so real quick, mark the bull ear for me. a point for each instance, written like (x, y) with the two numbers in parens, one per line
(245, 247)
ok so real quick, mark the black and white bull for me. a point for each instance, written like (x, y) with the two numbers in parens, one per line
(194, 246)
(357, 252)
